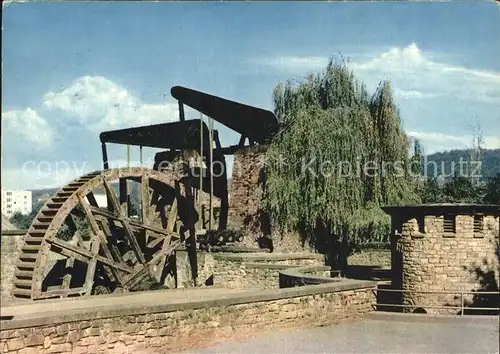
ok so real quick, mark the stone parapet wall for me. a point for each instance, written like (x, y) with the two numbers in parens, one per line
(156, 323)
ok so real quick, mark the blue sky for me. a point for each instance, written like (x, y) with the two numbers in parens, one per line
(120, 60)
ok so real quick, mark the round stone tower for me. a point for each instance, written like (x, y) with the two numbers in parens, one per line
(442, 248)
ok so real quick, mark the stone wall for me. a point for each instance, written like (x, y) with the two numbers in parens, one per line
(257, 271)
(11, 246)
(246, 185)
(252, 270)
(429, 259)
(158, 325)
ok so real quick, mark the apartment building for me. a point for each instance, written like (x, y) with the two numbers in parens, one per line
(16, 201)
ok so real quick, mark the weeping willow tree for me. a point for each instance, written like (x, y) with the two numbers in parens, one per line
(340, 156)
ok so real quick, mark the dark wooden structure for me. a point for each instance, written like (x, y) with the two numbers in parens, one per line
(76, 246)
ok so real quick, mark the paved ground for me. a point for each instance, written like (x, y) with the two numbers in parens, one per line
(378, 335)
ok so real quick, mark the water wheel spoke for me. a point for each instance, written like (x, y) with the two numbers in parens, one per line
(146, 268)
(172, 218)
(128, 230)
(131, 222)
(83, 255)
(91, 199)
(103, 242)
(107, 231)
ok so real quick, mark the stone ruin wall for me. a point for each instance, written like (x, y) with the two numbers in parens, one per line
(436, 261)
(241, 270)
(245, 195)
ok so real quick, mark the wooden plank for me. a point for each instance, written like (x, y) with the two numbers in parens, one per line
(62, 292)
(128, 230)
(145, 199)
(172, 217)
(145, 204)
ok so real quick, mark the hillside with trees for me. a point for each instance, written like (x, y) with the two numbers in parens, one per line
(441, 163)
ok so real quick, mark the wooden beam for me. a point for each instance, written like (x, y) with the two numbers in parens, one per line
(84, 255)
(74, 230)
(128, 230)
(67, 277)
(123, 186)
(103, 242)
(132, 222)
(142, 271)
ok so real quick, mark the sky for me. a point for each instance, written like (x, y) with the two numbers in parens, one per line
(73, 69)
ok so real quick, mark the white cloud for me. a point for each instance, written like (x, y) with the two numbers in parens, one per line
(410, 94)
(435, 141)
(29, 125)
(100, 104)
(293, 63)
(412, 72)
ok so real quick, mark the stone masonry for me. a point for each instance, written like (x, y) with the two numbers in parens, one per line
(156, 326)
(246, 185)
(258, 271)
(427, 256)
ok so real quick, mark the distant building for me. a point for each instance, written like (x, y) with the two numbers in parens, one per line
(16, 201)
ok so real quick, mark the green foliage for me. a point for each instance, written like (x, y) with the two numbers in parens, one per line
(24, 221)
(492, 190)
(21, 221)
(318, 173)
(431, 192)
(461, 190)
(81, 223)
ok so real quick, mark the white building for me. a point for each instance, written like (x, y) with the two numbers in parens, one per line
(16, 201)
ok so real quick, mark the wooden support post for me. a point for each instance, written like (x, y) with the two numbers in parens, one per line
(123, 186)
(104, 156)
(200, 188)
(211, 169)
(181, 111)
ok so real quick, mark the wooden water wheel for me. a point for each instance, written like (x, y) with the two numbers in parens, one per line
(79, 244)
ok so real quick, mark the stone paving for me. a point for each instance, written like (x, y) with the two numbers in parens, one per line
(378, 334)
